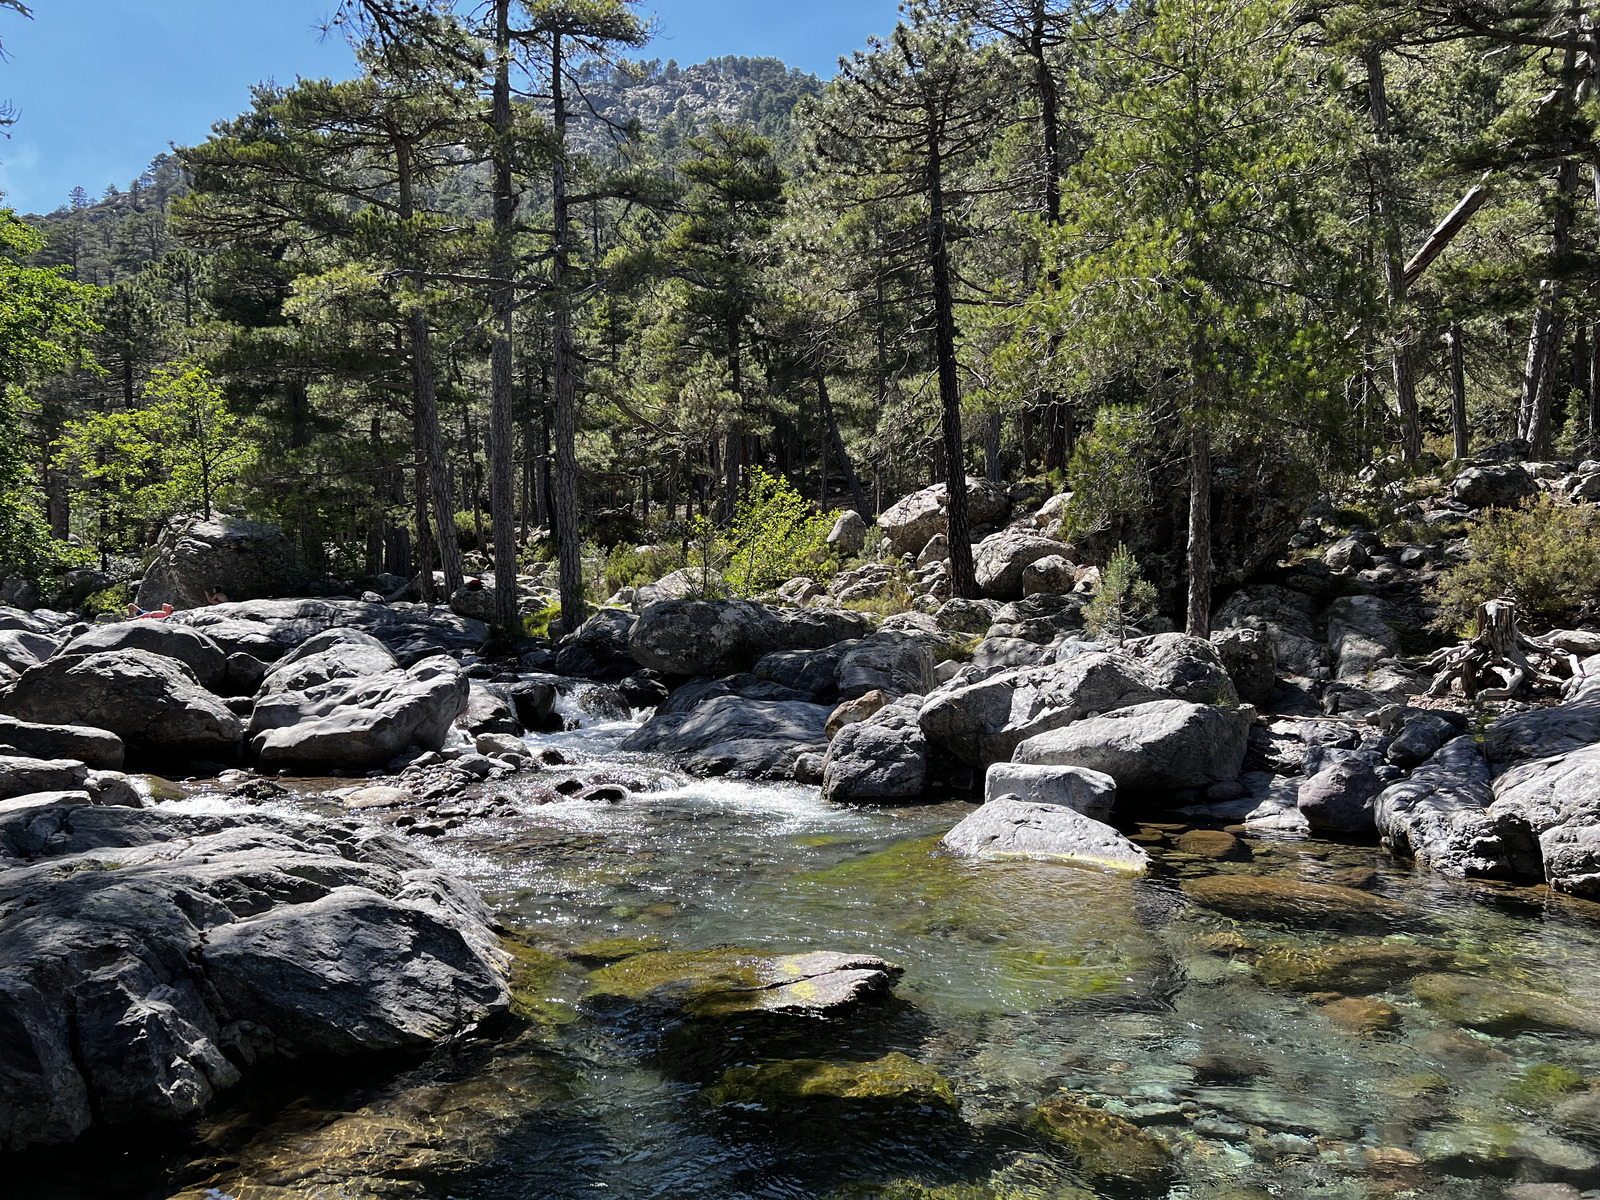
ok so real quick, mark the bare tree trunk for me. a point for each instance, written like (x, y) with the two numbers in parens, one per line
(1405, 378)
(502, 499)
(1199, 558)
(1594, 389)
(568, 546)
(963, 579)
(991, 448)
(1458, 395)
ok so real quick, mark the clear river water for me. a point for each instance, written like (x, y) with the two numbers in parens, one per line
(1442, 1045)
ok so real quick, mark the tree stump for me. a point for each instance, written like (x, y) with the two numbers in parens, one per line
(1500, 647)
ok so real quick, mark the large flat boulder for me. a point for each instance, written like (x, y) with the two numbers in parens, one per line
(97, 749)
(189, 646)
(1088, 792)
(160, 953)
(270, 629)
(21, 649)
(1161, 746)
(245, 559)
(1541, 733)
(897, 664)
(151, 702)
(723, 637)
(334, 654)
(911, 523)
(1010, 827)
(361, 722)
(985, 722)
(1440, 817)
(732, 735)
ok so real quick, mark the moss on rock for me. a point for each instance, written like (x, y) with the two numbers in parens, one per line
(1104, 1145)
(892, 1081)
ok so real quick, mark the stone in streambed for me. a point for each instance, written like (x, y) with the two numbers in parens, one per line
(1360, 1014)
(1355, 970)
(1291, 902)
(1089, 792)
(728, 982)
(1212, 843)
(1167, 745)
(1012, 828)
(894, 1081)
(1493, 1007)
(1104, 1145)
(884, 757)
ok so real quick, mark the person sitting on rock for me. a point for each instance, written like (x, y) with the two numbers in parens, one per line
(215, 596)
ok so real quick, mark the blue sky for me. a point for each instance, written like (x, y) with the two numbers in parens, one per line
(102, 86)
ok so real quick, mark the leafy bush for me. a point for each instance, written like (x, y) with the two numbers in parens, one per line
(893, 598)
(114, 599)
(538, 624)
(466, 531)
(1543, 555)
(1124, 597)
(629, 566)
(777, 535)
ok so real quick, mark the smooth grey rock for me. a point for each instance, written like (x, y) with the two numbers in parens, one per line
(151, 702)
(911, 522)
(849, 533)
(489, 710)
(599, 650)
(1010, 827)
(113, 787)
(161, 955)
(246, 560)
(1338, 797)
(1001, 559)
(1558, 800)
(1165, 745)
(19, 776)
(270, 629)
(882, 758)
(1440, 817)
(1360, 638)
(1495, 486)
(330, 655)
(1006, 652)
(897, 664)
(1347, 554)
(1052, 575)
(813, 673)
(1420, 739)
(21, 649)
(1251, 661)
(730, 735)
(192, 648)
(1185, 668)
(1088, 792)
(680, 585)
(244, 674)
(721, 637)
(966, 616)
(362, 722)
(984, 722)
(1541, 733)
(96, 748)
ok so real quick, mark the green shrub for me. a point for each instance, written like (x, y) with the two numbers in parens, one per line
(1123, 599)
(893, 598)
(466, 531)
(538, 624)
(114, 599)
(629, 566)
(777, 535)
(1545, 556)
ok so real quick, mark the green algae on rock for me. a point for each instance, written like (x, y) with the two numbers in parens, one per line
(534, 975)
(1351, 969)
(1500, 1008)
(1103, 1144)
(1542, 1085)
(894, 1080)
(729, 981)
(606, 951)
(1291, 901)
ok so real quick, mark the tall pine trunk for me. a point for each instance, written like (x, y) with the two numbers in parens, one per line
(568, 547)
(1458, 395)
(963, 579)
(1199, 556)
(1405, 375)
(502, 493)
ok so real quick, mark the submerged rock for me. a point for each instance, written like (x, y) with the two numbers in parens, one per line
(1290, 901)
(722, 983)
(1494, 1007)
(1104, 1145)
(892, 1081)
(1355, 970)
(1013, 828)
